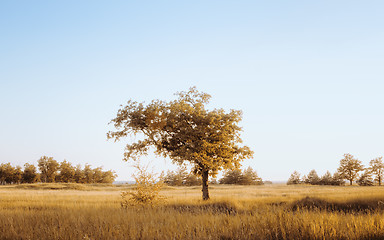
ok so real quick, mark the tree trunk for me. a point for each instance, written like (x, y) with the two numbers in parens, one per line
(379, 181)
(205, 185)
(350, 181)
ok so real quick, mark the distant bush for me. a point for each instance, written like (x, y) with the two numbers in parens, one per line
(10, 174)
(365, 179)
(326, 179)
(294, 178)
(30, 174)
(181, 177)
(337, 179)
(312, 178)
(237, 176)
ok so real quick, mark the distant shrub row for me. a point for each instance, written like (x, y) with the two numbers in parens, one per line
(350, 169)
(181, 177)
(313, 179)
(52, 171)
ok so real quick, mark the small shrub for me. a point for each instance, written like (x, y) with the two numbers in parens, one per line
(146, 191)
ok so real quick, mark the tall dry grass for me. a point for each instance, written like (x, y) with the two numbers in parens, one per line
(236, 212)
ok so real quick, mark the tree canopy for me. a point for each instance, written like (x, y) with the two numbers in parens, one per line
(48, 168)
(350, 167)
(312, 178)
(185, 131)
(376, 167)
(294, 178)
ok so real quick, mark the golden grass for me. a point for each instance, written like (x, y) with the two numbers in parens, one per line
(236, 212)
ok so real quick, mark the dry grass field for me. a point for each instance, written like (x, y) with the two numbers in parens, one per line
(72, 211)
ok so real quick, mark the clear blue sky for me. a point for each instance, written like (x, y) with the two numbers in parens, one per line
(308, 76)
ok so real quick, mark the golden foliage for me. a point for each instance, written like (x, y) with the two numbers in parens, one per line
(185, 131)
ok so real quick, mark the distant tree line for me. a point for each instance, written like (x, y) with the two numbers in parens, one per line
(181, 177)
(51, 170)
(245, 177)
(351, 169)
(313, 179)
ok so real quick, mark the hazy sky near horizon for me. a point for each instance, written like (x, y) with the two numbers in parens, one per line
(308, 76)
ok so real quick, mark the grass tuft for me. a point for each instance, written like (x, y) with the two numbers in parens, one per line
(351, 206)
(221, 207)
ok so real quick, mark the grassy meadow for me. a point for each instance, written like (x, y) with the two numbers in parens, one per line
(74, 211)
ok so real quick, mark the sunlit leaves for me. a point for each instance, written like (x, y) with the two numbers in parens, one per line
(183, 130)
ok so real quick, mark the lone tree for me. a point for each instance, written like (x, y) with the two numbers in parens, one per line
(350, 167)
(185, 131)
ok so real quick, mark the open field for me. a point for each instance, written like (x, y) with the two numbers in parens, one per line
(72, 211)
